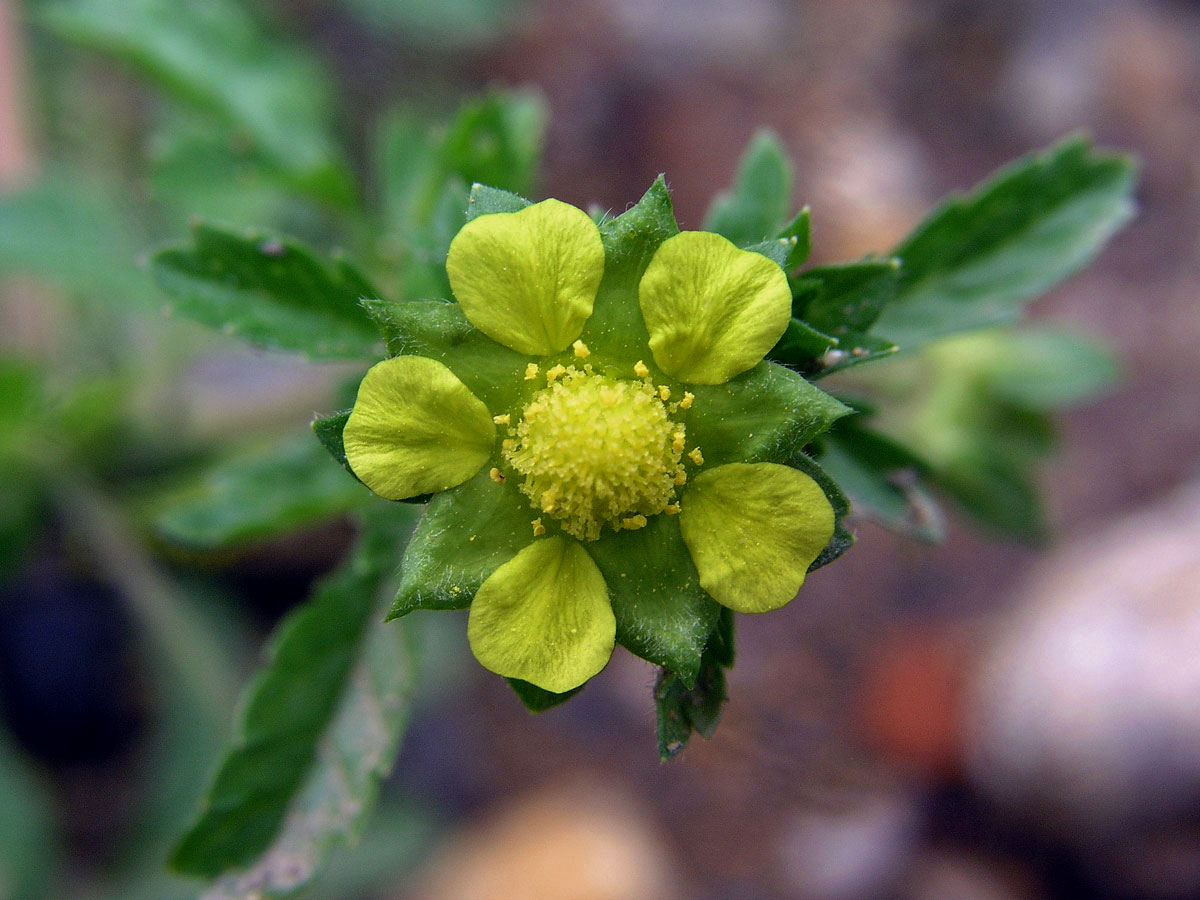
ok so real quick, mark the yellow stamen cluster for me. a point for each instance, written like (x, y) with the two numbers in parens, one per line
(597, 452)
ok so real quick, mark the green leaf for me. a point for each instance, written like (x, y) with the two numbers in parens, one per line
(406, 163)
(497, 140)
(212, 55)
(882, 479)
(630, 240)
(838, 300)
(269, 491)
(681, 709)
(319, 727)
(268, 291)
(74, 233)
(997, 492)
(538, 700)
(975, 408)
(195, 171)
(764, 415)
(29, 844)
(754, 209)
(980, 256)
(20, 397)
(1040, 369)
(663, 615)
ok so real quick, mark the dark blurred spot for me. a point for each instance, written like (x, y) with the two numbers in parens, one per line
(65, 672)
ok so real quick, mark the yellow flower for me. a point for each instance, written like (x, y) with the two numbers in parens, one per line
(610, 454)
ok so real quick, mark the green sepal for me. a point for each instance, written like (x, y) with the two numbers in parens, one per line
(764, 415)
(538, 700)
(800, 228)
(466, 533)
(268, 491)
(883, 479)
(754, 209)
(680, 709)
(839, 300)
(663, 615)
(216, 58)
(843, 538)
(616, 328)
(269, 291)
(801, 346)
(484, 200)
(721, 644)
(328, 430)
(977, 258)
(439, 330)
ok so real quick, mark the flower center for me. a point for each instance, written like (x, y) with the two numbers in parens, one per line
(598, 452)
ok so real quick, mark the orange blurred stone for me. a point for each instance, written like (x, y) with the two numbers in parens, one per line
(584, 840)
(912, 696)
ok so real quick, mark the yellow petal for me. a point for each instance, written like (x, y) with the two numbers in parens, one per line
(416, 429)
(544, 617)
(753, 529)
(712, 310)
(528, 279)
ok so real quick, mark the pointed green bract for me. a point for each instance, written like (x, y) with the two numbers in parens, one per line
(712, 310)
(616, 327)
(764, 415)
(528, 279)
(537, 700)
(465, 534)
(681, 707)
(842, 539)
(753, 530)
(439, 330)
(544, 617)
(416, 429)
(663, 615)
